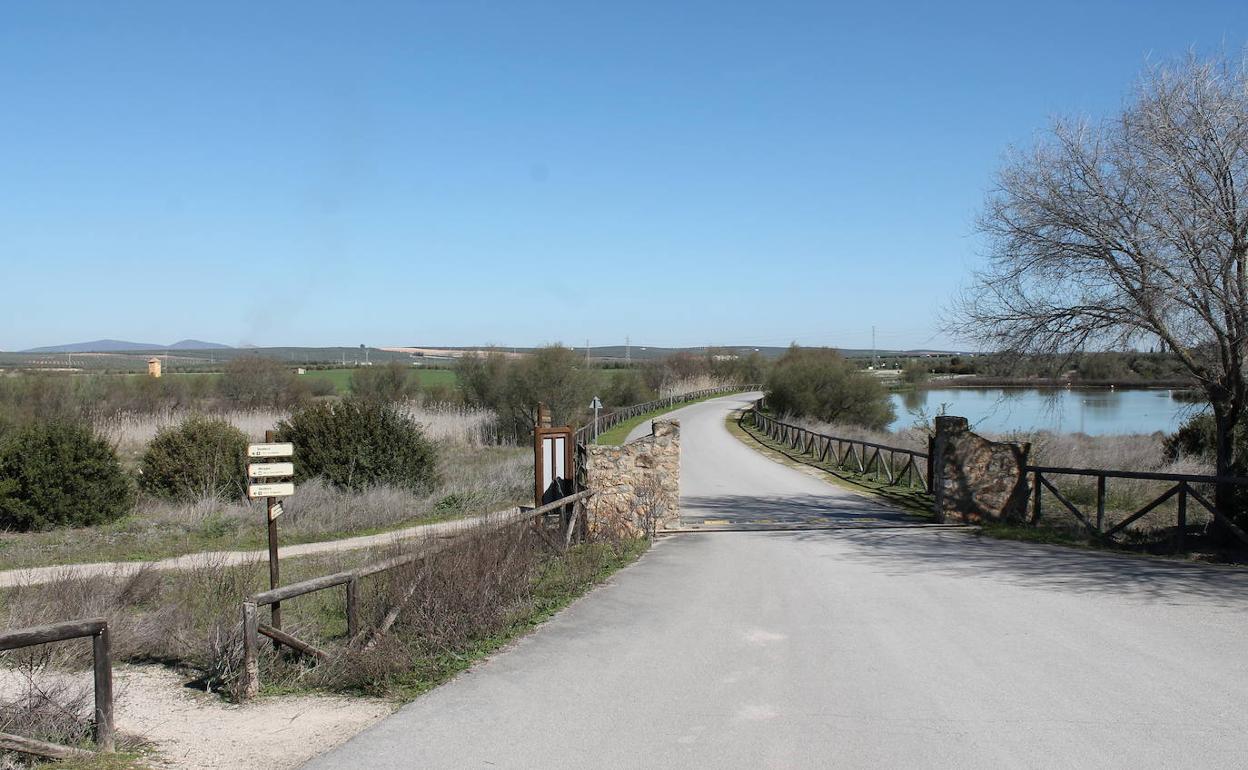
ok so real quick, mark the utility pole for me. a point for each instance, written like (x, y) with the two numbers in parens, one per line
(875, 363)
(587, 351)
(628, 350)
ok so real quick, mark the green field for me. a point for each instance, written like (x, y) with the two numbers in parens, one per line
(341, 378)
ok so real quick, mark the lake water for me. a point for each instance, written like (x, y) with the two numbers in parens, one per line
(1095, 411)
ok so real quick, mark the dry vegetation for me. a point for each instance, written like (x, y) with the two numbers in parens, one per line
(695, 383)
(473, 481)
(477, 476)
(131, 432)
(453, 608)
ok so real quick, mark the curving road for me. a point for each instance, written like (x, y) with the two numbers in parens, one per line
(725, 483)
(847, 648)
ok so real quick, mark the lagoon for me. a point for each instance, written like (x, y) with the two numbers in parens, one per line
(1095, 411)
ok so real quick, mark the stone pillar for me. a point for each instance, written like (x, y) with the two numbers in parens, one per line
(974, 479)
(637, 485)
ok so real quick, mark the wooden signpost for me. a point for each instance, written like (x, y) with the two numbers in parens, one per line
(261, 482)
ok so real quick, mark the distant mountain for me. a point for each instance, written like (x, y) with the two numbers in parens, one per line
(122, 346)
(198, 345)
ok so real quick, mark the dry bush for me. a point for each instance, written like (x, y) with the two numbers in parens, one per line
(131, 432)
(691, 384)
(446, 611)
(44, 705)
(457, 424)
(186, 617)
(470, 591)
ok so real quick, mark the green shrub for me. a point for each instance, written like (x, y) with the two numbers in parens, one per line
(627, 388)
(1198, 437)
(199, 457)
(59, 473)
(821, 383)
(388, 382)
(320, 387)
(254, 381)
(513, 387)
(915, 373)
(355, 443)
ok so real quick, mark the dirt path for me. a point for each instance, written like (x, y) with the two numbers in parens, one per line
(193, 730)
(35, 575)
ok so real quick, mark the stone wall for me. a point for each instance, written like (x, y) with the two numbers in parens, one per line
(637, 484)
(977, 480)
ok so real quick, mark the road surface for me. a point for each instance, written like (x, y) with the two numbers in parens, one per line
(725, 483)
(875, 647)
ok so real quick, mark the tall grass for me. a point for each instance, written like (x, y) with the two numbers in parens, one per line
(451, 608)
(691, 384)
(131, 432)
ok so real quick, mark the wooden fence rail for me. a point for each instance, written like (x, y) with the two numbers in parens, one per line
(1094, 521)
(97, 629)
(862, 457)
(606, 422)
(253, 628)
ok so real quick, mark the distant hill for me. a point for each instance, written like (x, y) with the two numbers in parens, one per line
(122, 346)
(198, 345)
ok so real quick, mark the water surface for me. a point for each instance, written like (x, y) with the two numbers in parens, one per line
(1095, 411)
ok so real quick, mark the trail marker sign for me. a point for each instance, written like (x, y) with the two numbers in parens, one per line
(263, 481)
(283, 489)
(270, 449)
(270, 470)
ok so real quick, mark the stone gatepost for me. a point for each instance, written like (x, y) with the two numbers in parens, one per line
(637, 485)
(976, 480)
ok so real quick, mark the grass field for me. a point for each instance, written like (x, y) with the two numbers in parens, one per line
(341, 378)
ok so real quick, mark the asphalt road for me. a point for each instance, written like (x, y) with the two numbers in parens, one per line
(848, 648)
(725, 483)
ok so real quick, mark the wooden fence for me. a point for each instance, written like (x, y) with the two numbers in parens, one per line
(97, 629)
(1094, 520)
(570, 508)
(878, 461)
(606, 422)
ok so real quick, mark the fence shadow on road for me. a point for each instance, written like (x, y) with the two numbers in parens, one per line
(1045, 567)
(846, 509)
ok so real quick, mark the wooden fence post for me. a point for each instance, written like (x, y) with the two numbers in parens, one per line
(101, 648)
(1100, 503)
(353, 607)
(1035, 508)
(251, 663)
(1181, 534)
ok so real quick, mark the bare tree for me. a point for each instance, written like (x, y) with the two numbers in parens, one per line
(1127, 232)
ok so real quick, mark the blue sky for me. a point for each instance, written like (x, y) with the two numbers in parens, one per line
(518, 173)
